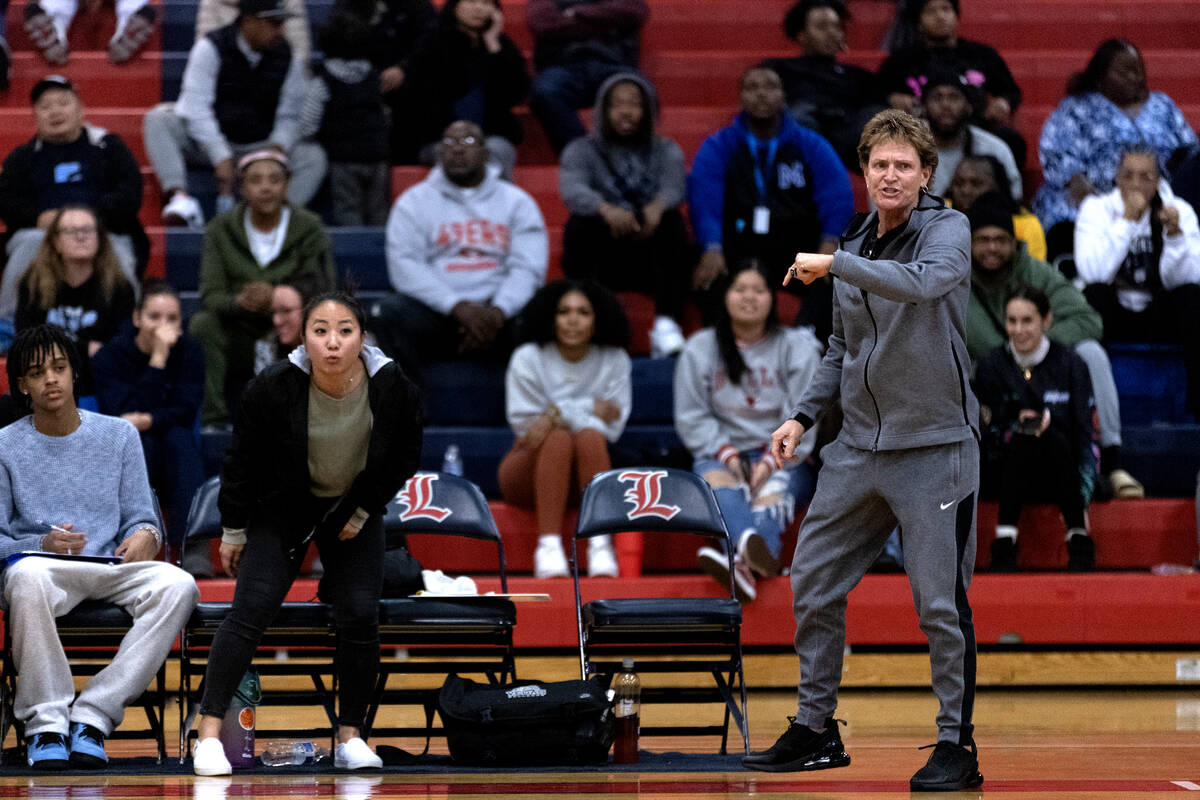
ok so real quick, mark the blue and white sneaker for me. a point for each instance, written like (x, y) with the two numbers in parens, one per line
(87, 747)
(48, 751)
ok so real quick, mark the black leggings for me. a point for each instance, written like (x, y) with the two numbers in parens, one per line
(1039, 468)
(351, 584)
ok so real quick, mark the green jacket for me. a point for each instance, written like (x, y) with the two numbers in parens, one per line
(1074, 319)
(228, 265)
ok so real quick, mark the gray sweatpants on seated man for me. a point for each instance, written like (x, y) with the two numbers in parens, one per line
(23, 246)
(172, 151)
(861, 496)
(160, 598)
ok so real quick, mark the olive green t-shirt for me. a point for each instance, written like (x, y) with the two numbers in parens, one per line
(339, 430)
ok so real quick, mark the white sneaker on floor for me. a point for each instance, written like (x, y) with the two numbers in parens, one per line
(208, 758)
(602, 561)
(183, 209)
(666, 338)
(355, 754)
(549, 560)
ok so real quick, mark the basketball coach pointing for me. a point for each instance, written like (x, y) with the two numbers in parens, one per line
(907, 453)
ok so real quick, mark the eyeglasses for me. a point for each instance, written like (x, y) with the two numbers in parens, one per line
(469, 141)
(78, 231)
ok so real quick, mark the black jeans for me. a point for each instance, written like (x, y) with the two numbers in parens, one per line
(351, 584)
(1171, 317)
(659, 266)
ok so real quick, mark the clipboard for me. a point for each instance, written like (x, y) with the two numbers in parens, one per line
(15, 557)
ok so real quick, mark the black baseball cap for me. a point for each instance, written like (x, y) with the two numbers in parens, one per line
(263, 9)
(50, 82)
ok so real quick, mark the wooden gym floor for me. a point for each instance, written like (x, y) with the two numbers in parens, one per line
(1129, 744)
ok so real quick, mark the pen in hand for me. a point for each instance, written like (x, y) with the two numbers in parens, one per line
(58, 528)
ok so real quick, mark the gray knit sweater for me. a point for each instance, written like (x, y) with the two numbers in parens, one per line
(94, 478)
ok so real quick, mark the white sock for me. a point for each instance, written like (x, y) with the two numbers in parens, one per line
(1006, 532)
(549, 540)
(1076, 532)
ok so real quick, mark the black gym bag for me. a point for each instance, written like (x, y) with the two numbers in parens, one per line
(527, 723)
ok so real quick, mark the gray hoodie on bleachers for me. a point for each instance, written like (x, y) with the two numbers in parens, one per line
(897, 357)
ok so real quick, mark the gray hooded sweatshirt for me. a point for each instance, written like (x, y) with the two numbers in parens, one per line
(596, 170)
(897, 356)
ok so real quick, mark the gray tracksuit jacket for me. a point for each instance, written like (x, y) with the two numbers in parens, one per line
(897, 357)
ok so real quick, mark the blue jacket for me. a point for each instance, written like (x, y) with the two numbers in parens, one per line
(807, 185)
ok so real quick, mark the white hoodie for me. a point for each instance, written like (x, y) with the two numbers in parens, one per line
(1104, 238)
(487, 243)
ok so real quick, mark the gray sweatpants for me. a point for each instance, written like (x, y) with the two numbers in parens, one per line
(171, 151)
(160, 598)
(861, 496)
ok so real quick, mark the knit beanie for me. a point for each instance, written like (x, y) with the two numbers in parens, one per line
(915, 7)
(991, 209)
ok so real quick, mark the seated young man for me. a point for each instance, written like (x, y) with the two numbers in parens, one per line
(74, 483)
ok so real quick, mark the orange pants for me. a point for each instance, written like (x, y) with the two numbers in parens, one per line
(540, 478)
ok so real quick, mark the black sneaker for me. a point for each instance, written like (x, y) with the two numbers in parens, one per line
(951, 768)
(1081, 553)
(1004, 554)
(800, 749)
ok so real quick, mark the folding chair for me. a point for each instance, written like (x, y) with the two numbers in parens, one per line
(90, 634)
(472, 634)
(678, 634)
(304, 629)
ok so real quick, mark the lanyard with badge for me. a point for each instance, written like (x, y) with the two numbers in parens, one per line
(761, 223)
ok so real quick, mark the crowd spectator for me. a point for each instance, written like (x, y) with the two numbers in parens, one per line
(979, 175)
(468, 69)
(767, 188)
(579, 44)
(262, 241)
(465, 252)
(995, 94)
(74, 482)
(344, 112)
(1035, 405)
(832, 98)
(1000, 264)
(214, 14)
(567, 395)
(67, 162)
(1137, 251)
(288, 299)
(398, 27)
(75, 282)
(152, 374)
(47, 21)
(623, 185)
(733, 383)
(242, 92)
(947, 108)
(1108, 108)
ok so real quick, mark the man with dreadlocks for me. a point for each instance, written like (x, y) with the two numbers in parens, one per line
(73, 483)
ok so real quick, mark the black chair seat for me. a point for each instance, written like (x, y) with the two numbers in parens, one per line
(672, 612)
(295, 616)
(426, 611)
(95, 615)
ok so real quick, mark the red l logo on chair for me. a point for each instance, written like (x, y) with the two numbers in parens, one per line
(417, 497)
(646, 494)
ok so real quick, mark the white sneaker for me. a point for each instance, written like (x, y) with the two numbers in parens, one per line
(183, 209)
(549, 560)
(208, 758)
(602, 561)
(715, 563)
(666, 338)
(355, 754)
(753, 551)
(744, 585)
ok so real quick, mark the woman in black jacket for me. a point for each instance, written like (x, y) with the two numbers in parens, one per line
(468, 69)
(1035, 401)
(323, 441)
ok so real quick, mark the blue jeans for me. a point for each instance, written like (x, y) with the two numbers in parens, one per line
(560, 90)
(793, 485)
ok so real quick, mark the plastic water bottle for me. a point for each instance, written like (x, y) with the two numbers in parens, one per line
(452, 461)
(627, 696)
(283, 754)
